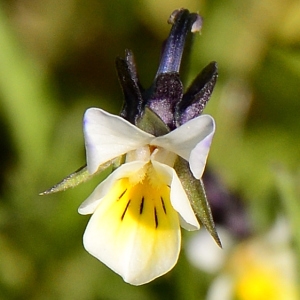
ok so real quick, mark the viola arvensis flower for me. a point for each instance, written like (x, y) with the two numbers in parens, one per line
(259, 267)
(157, 149)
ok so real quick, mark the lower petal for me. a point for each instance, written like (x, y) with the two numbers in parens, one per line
(135, 231)
(126, 170)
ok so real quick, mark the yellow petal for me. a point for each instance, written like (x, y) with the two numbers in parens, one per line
(135, 230)
(131, 170)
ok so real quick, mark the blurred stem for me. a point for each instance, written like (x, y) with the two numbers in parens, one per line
(189, 284)
(289, 192)
(26, 104)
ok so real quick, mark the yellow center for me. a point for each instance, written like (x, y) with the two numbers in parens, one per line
(146, 201)
(142, 198)
(257, 285)
(261, 283)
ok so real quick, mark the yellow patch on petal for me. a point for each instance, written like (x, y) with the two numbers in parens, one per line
(145, 204)
(135, 230)
(260, 281)
(258, 284)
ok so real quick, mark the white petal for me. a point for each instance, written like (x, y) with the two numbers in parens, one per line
(202, 251)
(222, 285)
(179, 199)
(191, 141)
(126, 170)
(135, 234)
(164, 156)
(108, 136)
(199, 155)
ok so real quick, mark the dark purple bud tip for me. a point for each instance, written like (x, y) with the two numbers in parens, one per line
(131, 87)
(196, 97)
(183, 22)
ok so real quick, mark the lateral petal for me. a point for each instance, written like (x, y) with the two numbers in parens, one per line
(108, 136)
(199, 155)
(134, 233)
(179, 199)
(191, 141)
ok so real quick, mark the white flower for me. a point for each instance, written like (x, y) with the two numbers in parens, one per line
(137, 211)
(257, 271)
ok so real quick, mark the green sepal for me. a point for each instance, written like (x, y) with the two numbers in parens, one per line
(195, 191)
(150, 122)
(82, 175)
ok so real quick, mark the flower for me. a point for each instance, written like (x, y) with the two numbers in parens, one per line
(137, 210)
(157, 150)
(257, 268)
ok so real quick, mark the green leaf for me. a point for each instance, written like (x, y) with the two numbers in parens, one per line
(197, 196)
(150, 122)
(81, 175)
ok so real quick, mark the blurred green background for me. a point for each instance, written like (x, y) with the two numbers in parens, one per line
(57, 59)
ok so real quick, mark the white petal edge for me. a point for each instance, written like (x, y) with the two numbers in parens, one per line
(125, 170)
(191, 141)
(178, 196)
(203, 253)
(132, 250)
(199, 155)
(108, 136)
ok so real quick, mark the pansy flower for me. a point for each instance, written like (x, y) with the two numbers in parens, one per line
(157, 150)
(259, 267)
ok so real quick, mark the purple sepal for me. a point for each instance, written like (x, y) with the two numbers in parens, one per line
(165, 97)
(131, 87)
(196, 97)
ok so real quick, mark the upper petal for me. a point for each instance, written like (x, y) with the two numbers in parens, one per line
(126, 170)
(108, 136)
(179, 199)
(191, 141)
